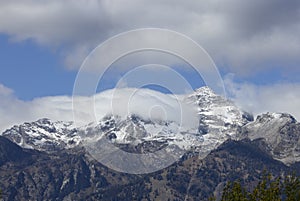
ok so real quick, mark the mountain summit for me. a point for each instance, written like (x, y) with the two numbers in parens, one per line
(219, 120)
(50, 160)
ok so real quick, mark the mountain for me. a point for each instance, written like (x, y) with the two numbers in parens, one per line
(44, 135)
(219, 120)
(46, 160)
(281, 133)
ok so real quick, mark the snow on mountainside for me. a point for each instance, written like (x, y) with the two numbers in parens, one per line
(219, 120)
(218, 117)
(135, 130)
(280, 131)
(44, 135)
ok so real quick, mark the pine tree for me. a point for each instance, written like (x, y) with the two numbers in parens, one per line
(234, 192)
(267, 189)
(292, 188)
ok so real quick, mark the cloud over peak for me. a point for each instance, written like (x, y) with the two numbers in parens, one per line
(123, 102)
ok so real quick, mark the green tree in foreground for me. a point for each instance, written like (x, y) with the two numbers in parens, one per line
(234, 191)
(267, 189)
(292, 188)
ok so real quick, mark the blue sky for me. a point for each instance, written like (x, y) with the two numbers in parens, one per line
(255, 45)
(33, 71)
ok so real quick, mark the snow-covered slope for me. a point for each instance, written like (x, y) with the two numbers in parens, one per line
(135, 130)
(220, 118)
(280, 131)
(44, 135)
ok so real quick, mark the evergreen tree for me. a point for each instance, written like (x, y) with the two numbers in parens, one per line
(267, 189)
(234, 192)
(292, 188)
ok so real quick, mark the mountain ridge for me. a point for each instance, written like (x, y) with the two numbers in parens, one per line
(69, 175)
(219, 120)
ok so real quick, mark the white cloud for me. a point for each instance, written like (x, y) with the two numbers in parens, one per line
(282, 97)
(241, 34)
(14, 111)
(4, 91)
(120, 102)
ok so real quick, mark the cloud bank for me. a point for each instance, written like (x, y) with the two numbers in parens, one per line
(148, 104)
(245, 36)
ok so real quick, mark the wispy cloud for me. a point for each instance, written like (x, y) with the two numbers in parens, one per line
(283, 97)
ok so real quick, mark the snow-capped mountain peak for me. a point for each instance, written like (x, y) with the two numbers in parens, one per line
(219, 120)
(44, 135)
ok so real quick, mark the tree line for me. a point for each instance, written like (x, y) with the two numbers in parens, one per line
(269, 188)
